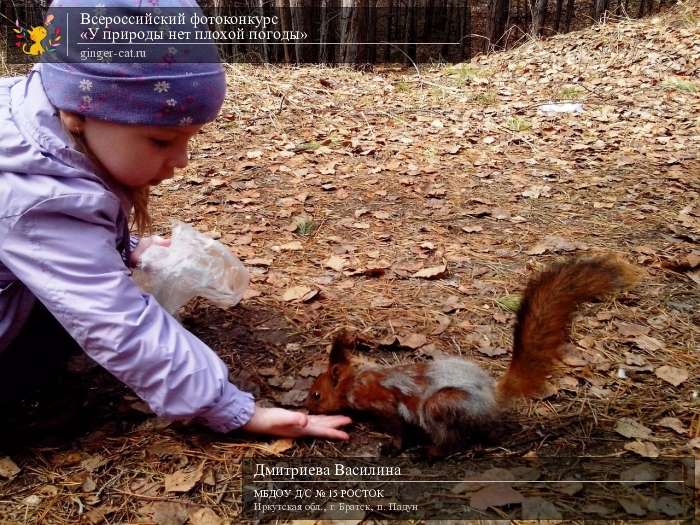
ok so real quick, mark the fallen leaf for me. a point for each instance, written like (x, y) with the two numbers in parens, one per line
(258, 262)
(569, 383)
(205, 516)
(413, 340)
(452, 304)
(538, 508)
(254, 154)
(634, 359)
(645, 449)
(166, 512)
(535, 192)
(280, 445)
(296, 293)
(495, 495)
(282, 382)
(335, 263)
(684, 264)
(631, 330)
(431, 273)
(88, 485)
(381, 301)
(674, 424)
(314, 370)
(346, 284)
(293, 398)
(631, 428)
(668, 505)
(251, 293)
(671, 374)
(631, 506)
(97, 515)
(292, 246)
(182, 481)
(641, 473)
(32, 500)
(94, 462)
(570, 489)
(8, 468)
(443, 324)
(554, 244)
(650, 344)
(596, 508)
(244, 240)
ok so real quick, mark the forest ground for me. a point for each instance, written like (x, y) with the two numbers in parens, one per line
(336, 187)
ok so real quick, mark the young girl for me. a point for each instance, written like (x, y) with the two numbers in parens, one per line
(81, 144)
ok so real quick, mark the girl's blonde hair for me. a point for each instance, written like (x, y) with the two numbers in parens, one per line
(141, 221)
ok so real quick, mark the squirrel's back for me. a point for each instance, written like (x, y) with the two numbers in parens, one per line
(544, 317)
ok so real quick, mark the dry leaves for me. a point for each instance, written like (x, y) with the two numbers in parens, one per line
(432, 272)
(183, 481)
(299, 293)
(671, 374)
(555, 244)
(205, 516)
(495, 495)
(644, 449)
(674, 424)
(8, 468)
(632, 429)
(335, 263)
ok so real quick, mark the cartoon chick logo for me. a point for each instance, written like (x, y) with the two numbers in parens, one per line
(31, 40)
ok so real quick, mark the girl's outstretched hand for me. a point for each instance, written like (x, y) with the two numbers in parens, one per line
(144, 243)
(288, 423)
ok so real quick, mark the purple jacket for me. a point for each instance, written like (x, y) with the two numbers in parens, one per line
(63, 241)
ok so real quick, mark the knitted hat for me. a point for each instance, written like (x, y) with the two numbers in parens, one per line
(170, 92)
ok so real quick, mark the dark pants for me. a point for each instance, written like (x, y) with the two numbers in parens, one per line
(37, 358)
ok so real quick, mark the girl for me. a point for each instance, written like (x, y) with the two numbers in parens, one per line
(81, 144)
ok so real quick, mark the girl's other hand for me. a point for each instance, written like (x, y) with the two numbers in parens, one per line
(288, 423)
(146, 242)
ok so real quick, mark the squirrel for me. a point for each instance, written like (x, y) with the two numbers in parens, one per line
(449, 398)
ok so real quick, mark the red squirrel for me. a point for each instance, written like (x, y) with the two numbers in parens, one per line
(449, 398)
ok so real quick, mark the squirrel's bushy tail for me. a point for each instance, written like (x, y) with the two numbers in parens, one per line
(544, 318)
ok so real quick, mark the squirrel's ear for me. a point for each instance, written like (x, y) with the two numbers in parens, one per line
(343, 344)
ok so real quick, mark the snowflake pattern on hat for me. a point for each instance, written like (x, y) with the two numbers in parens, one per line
(186, 87)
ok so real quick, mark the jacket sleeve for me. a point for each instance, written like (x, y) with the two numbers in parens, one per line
(63, 250)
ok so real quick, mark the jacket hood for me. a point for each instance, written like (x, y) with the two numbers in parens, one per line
(33, 139)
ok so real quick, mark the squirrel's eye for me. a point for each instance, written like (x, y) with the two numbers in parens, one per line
(316, 395)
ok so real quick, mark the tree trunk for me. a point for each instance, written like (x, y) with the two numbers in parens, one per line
(465, 33)
(599, 9)
(411, 31)
(498, 18)
(557, 15)
(372, 31)
(390, 15)
(569, 15)
(449, 11)
(329, 28)
(297, 19)
(286, 22)
(538, 16)
(642, 5)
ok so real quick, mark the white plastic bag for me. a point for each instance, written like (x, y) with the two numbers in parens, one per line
(193, 265)
(561, 108)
